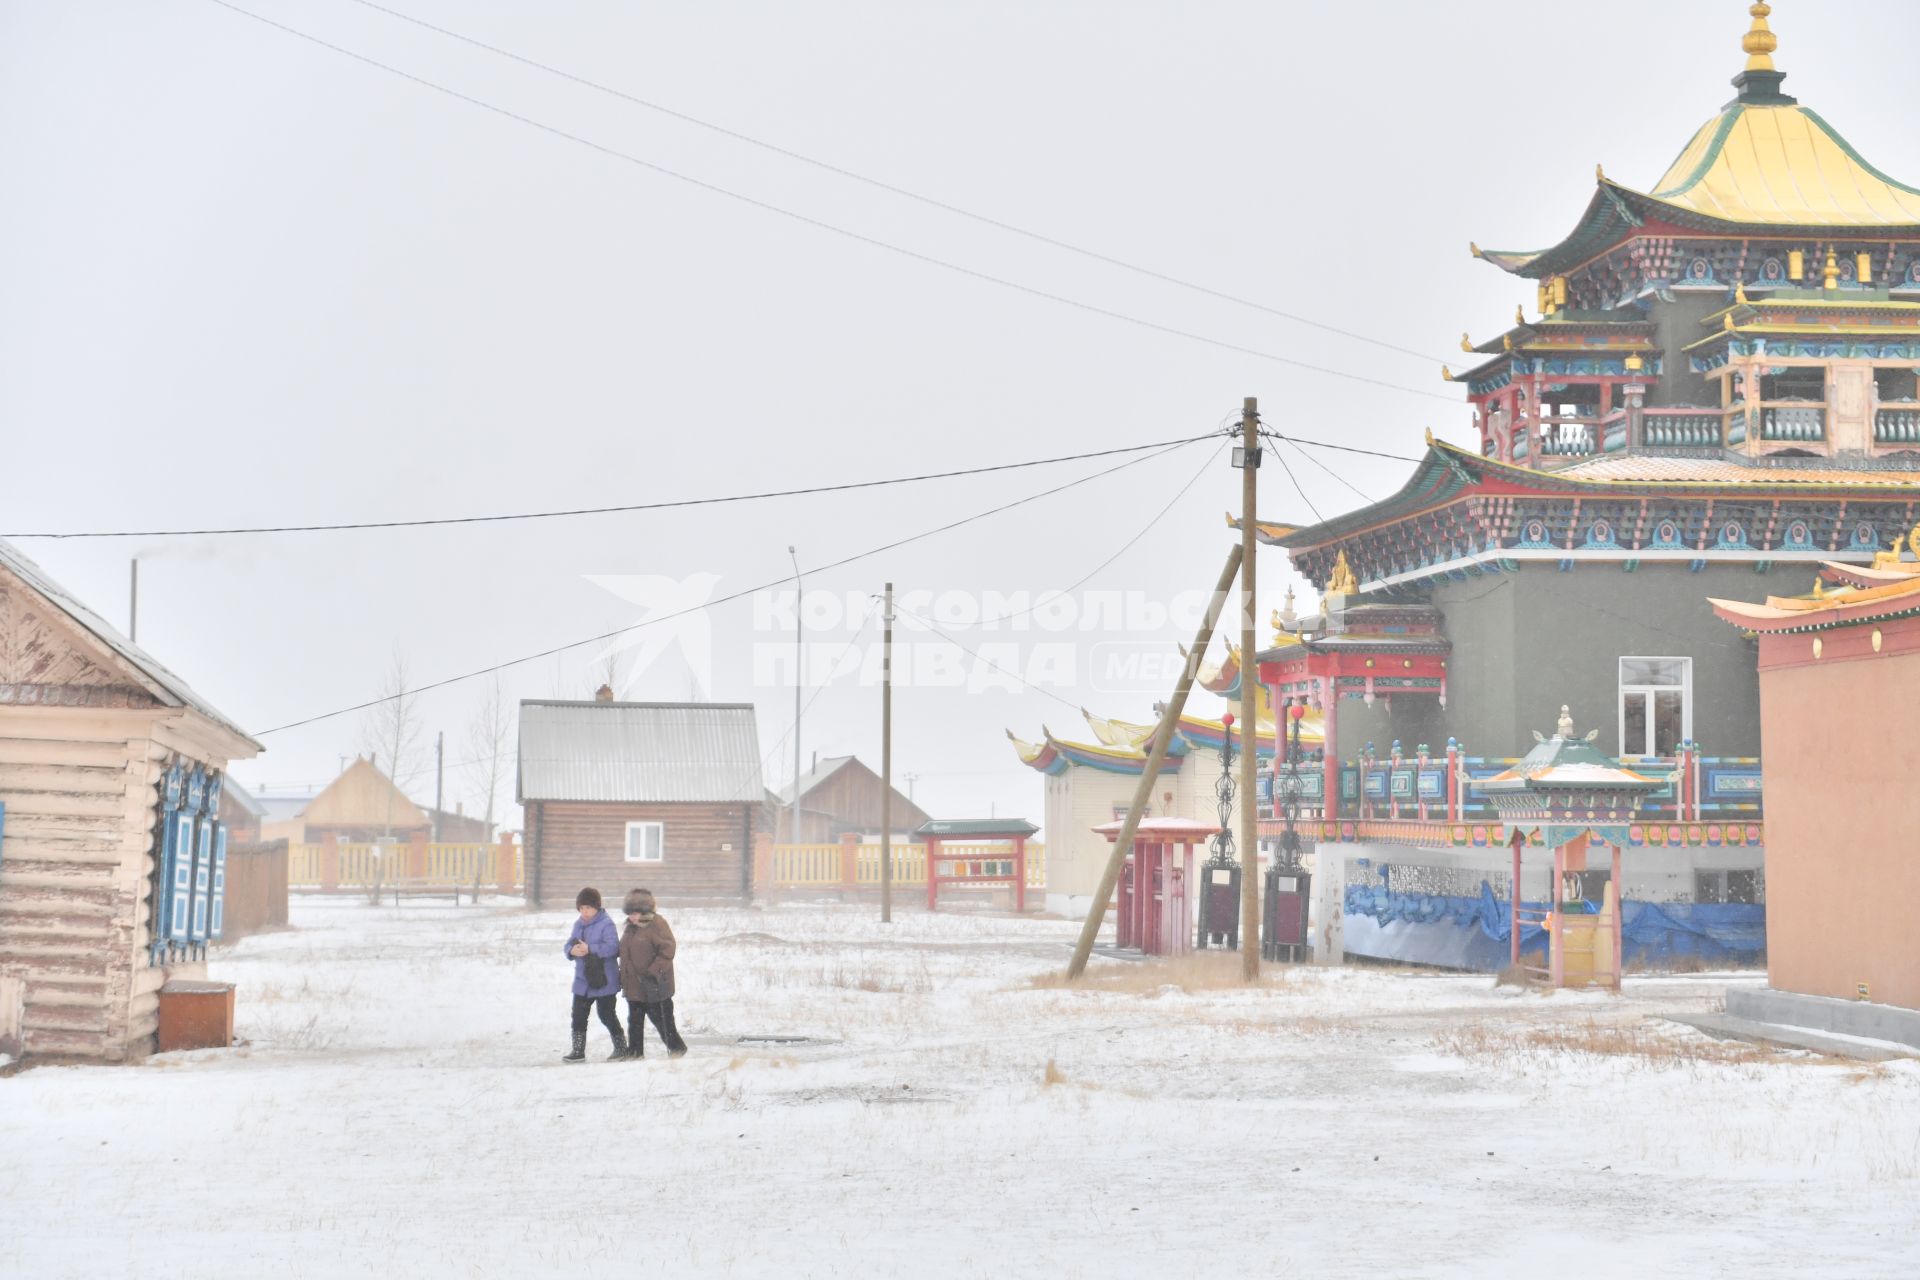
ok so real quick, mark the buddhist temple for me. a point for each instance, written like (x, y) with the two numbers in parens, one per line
(1091, 783)
(1712, 394)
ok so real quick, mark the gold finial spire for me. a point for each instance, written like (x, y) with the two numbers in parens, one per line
(1760, 42)
(1519, 314)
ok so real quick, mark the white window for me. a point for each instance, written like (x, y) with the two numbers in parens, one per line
(646, 841)
(1656, 705)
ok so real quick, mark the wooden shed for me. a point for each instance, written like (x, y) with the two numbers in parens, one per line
(623, 794)
(112, 851)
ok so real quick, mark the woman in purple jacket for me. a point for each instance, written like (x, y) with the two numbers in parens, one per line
(594, 946)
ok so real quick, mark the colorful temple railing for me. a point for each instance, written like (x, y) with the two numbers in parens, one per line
(1425, 787)
(1685, 427)
(1896, 425)
(1795, 423)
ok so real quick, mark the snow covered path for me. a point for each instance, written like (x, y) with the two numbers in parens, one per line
(400, 1109)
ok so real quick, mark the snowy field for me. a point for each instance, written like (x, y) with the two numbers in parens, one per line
(399, 1109)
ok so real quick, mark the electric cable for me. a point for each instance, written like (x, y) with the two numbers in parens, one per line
(614, 510)
(737, 595)
(822, 225)
(891, 188)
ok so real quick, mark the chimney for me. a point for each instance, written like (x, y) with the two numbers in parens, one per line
(603, 694)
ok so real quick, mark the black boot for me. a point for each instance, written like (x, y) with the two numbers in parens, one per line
(619, 1043)
(636, 1038)
(579, 1053)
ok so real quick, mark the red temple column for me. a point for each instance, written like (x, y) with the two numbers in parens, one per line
(1329, 750)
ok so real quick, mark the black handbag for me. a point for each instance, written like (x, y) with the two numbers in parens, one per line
(596, 971)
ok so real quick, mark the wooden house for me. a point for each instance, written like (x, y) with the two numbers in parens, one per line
(361, 805)
(625, 794)
(112, 851)
(840, 796)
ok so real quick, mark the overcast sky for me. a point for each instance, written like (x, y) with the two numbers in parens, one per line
(245, 279)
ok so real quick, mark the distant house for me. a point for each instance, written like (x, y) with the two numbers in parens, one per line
(622, 794)
(839, 796)
(362, 804)
(240, 812)
(113, 852)
(457, 826)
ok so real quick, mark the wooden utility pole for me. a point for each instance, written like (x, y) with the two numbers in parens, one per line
(886, 761)
(133, 603)
(1143, 790)
(439, 780)
(1249, 814)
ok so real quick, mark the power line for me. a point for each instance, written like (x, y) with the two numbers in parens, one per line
(890, 188)
(819, 224)
(976, 656)
(1298, 487)
(737, 595)
(601, 511)
(1340, 448)
(1364, 497)
(1124, 547)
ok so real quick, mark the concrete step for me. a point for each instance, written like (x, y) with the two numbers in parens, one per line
(1724, 1026)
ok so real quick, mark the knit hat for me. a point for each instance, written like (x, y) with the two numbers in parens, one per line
(587, 898)
(638, 900)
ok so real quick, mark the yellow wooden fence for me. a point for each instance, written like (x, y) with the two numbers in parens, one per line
(365, 865)
(823, 866)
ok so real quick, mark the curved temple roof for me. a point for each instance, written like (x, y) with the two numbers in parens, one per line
(1764, 162)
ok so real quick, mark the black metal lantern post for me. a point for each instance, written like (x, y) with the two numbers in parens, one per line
(1220, 875)
(1287, 880)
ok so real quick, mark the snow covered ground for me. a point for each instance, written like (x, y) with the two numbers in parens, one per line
(399, 1109)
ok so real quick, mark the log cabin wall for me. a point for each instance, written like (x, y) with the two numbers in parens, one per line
(706, 850)
(86, 731)
(79, 787)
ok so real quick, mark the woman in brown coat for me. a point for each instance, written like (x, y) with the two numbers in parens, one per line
(646, 975)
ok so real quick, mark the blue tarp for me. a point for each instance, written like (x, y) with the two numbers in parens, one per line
(1472, 933)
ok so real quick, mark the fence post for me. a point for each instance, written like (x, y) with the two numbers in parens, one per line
(329, 862)
(417, 855)
(762, 862)
(849, 861)
(504, 878)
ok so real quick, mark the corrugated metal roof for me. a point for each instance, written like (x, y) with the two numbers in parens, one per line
(640, 752)
(170, 687)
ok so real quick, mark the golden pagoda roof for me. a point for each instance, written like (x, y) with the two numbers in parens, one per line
(1764, 162)
(1782, 166)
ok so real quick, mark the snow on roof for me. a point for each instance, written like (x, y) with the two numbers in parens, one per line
(640, 752)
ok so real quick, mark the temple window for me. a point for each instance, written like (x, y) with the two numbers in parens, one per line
(1795, 384)
(1894, 386)
(1656, 705)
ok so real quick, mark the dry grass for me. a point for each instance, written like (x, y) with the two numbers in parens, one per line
(1184, 975)
(1642, 1042)
(1053, 1075)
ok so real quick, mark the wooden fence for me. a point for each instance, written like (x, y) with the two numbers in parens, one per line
(856, 867)
(256, 888)
(332, 866)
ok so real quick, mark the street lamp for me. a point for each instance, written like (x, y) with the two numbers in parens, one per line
(799, 658)
(1220, 875)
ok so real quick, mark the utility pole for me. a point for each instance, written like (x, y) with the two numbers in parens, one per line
(799, 651)
(1249, 814)
(439, 780)
(886, 761)
(133, 605)
(1143, 790)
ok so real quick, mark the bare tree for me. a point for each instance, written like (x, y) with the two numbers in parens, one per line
(390, 731)
(489, 748)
